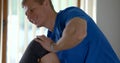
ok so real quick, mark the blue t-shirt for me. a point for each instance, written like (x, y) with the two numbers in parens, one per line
(94, 48)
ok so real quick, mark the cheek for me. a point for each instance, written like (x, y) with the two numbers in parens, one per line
(41, 16)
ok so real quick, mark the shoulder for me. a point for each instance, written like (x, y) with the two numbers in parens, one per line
(71, 10)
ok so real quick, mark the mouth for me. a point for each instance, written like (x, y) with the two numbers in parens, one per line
(34, 21)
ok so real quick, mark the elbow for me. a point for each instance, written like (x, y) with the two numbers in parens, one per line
(82, 36)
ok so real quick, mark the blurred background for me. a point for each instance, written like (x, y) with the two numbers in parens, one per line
(16, 31)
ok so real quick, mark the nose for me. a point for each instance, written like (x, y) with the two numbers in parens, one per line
(28, 14)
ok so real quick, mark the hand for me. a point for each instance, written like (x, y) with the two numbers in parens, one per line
(44, 41)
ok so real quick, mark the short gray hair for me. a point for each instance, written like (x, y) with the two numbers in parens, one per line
(39, 1)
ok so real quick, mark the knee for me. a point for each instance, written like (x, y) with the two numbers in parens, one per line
(50, 58)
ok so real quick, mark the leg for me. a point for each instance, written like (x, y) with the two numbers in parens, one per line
(33, 52)
(50, 58)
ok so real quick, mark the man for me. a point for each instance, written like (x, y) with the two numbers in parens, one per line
(73, 37)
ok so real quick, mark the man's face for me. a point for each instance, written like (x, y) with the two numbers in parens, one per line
(35, 12)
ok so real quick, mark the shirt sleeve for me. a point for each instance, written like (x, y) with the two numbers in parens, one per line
(74, 12)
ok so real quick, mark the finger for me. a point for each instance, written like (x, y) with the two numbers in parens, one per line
(42, 38)
(39, 61)
(38, 40)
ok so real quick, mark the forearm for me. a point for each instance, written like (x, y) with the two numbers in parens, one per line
(66, 43)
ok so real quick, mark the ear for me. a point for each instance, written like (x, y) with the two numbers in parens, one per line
(46, 2)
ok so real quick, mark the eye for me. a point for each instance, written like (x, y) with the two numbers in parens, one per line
(31, 10)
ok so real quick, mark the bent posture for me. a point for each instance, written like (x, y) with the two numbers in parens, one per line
(73, 37)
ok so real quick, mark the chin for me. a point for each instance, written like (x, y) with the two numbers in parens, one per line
(38, 26)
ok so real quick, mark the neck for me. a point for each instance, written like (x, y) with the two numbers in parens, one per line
(51, 21)
(51, 16)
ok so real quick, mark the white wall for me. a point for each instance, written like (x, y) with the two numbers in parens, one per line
(108, 19)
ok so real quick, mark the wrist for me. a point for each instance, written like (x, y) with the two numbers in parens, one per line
(52, 47)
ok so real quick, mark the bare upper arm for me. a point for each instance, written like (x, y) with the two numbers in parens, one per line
(73, 34)
(76, 27)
